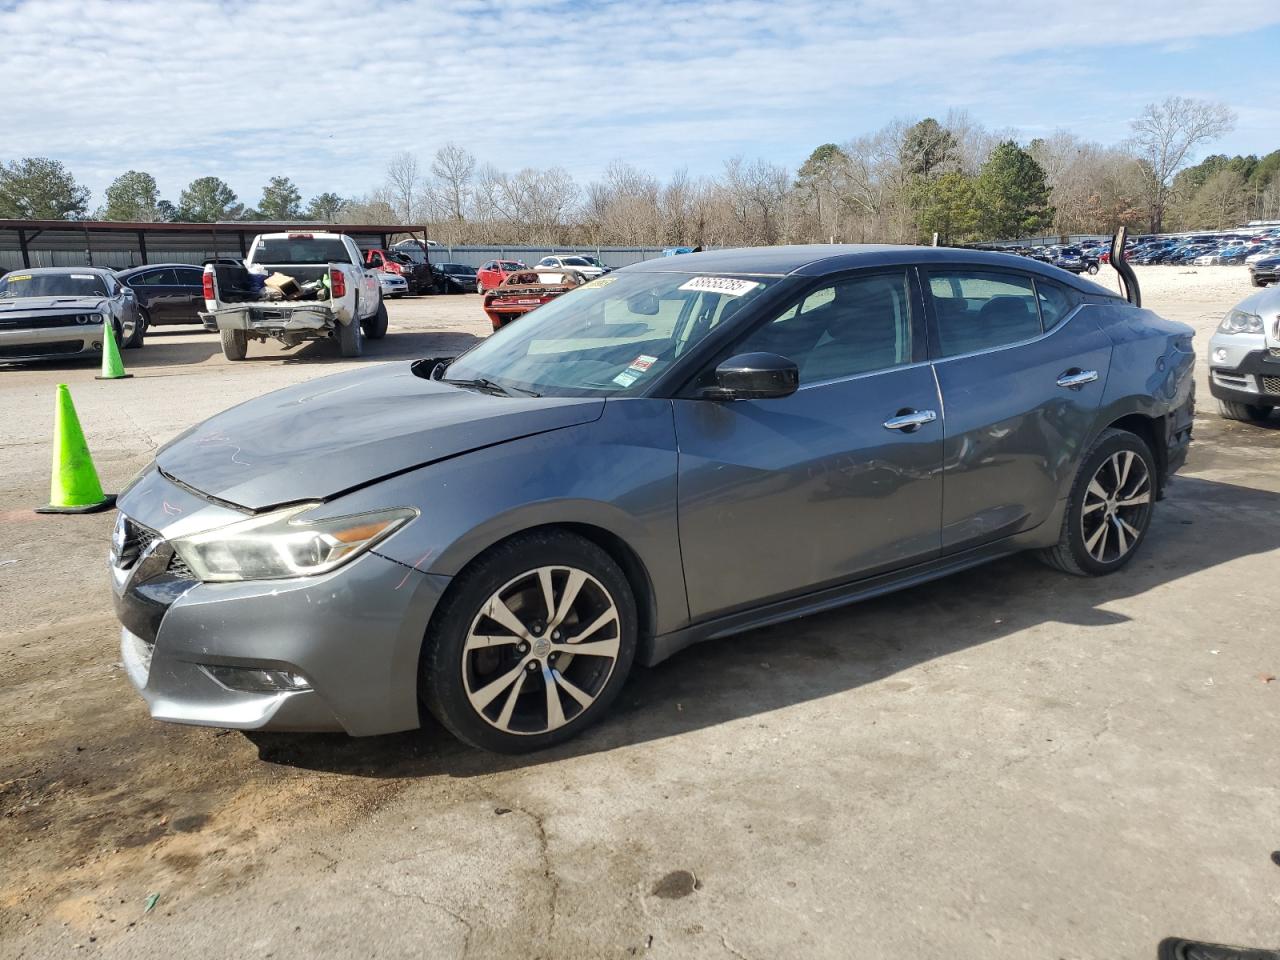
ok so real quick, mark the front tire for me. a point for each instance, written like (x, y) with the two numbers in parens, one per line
(531, 645)
(1109, 509)
(1093, 269)
(375, 328)
(140, 325)
(235, 344)
(1234, 410)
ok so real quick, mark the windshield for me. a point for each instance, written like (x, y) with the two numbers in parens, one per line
(613, 335)
(299, 250)
(456, 268)
(574, 261)
(17, 285)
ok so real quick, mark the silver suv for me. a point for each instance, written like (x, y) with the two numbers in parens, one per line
(1244, 358)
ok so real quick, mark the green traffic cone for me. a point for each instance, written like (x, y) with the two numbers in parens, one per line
(112, 365)
(75, 487)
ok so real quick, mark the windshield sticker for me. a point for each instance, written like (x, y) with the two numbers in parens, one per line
(729, 286)
(598, 282)
(82, 276)
(626, 378)
(642, 363)
(17, 277)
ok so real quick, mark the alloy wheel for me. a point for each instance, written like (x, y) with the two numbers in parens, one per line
(541, 650)
(1116, 504)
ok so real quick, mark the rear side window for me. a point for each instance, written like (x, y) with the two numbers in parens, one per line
(980, 310)
(190, 276)
(1056, 301)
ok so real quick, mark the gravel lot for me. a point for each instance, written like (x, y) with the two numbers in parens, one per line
(1006, 763)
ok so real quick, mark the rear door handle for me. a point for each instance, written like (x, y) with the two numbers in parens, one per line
(909, 420)
(1076, 377)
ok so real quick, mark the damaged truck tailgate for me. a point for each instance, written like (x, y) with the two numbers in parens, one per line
(295, 287)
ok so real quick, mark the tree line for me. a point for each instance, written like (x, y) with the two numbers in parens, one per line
(906, 182)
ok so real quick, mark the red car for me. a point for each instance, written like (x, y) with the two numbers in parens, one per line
(493, 272)
(521, 292)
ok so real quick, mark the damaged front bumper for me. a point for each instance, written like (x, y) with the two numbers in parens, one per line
(336, 652)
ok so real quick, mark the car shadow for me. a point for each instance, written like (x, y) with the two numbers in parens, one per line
(1201, 525)
(398, 345)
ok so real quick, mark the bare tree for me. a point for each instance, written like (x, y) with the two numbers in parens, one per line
(453, 168)
(403, 183)
(1164, 138)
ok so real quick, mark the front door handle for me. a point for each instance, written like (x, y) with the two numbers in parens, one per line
(1076, 378)
(909, 420)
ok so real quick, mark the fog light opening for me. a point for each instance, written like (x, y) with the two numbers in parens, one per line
(1220, 355)
(256, 679)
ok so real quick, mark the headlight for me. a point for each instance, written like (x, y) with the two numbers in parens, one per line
(1237, 321)
(283, 544)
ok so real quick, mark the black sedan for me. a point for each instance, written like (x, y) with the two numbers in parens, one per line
(168, 293)
(454, 277)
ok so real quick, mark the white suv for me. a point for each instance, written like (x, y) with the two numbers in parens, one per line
(570, 264)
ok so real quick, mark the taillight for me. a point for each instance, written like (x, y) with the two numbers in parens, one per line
(338, 283)
(208, 287)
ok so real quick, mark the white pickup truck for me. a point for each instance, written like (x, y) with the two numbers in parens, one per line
(343, 300)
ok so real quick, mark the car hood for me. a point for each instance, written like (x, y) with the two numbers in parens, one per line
(318, 439)
(51, 303)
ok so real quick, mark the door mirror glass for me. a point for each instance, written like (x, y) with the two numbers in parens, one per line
(754, 376)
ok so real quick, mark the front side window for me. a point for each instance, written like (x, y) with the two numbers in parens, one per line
(980, 310)
(853, 326)
(613, 335)
(156, 278)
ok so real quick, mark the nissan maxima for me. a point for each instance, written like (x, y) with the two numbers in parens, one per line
(678, 451)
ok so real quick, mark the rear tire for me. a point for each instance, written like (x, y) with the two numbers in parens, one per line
(1109, 508)
(351, 338)
(487, 685)
(375, 328)
(235, 344)
(1234, 410)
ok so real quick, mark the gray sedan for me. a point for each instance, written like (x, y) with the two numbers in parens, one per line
(53, 312)
(678, 451)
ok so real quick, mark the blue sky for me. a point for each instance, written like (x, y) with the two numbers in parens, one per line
(327, 91)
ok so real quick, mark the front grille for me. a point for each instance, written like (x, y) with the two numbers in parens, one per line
(55, 320)
(48, 349)
(1271, 385)
(137, 540)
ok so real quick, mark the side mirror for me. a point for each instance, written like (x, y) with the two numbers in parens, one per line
(754, 376)
(644, 304)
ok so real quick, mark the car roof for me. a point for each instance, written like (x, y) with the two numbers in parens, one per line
(816, 260)
(130, 271)
(96, 271)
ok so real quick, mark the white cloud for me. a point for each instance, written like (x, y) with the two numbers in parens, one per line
(326, 90)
